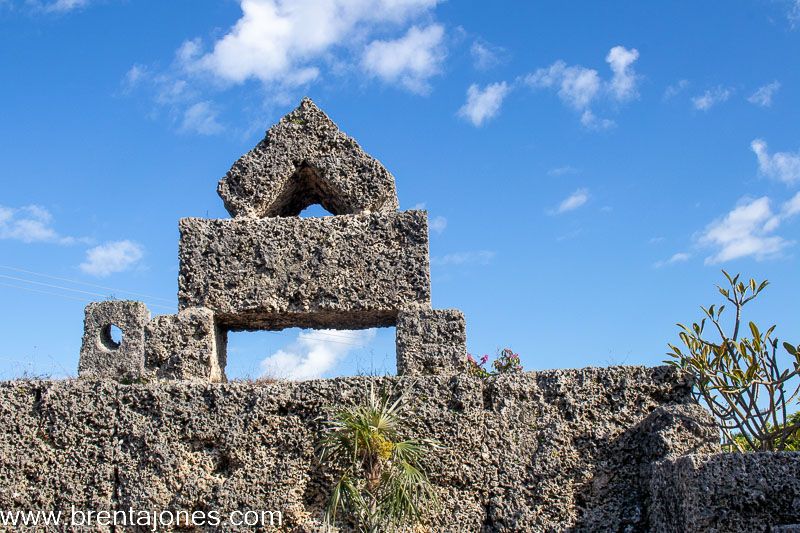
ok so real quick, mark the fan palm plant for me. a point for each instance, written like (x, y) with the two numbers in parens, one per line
(381, 484)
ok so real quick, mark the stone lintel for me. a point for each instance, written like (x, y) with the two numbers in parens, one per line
(346, 272)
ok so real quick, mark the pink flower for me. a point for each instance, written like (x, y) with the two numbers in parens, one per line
(484, 359)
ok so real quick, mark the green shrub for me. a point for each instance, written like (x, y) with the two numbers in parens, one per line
(381, 484)
(740, 378)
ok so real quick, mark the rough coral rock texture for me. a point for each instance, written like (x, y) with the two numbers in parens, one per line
(346, 272)
(101, 356)
(730, 492)
(305, 160)
(431, 342)
(58, 447)
(185, 346)
(538, 451)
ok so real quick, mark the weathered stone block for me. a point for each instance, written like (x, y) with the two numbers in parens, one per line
(57, 449)
(101, 356)
(305, 160)
(431, 342)
(186, 346)
(346, 272)
(731, 492)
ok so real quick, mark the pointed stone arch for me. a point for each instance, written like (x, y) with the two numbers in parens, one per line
(302, 160)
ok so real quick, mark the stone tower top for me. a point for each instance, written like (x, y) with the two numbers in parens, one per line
(305, 159)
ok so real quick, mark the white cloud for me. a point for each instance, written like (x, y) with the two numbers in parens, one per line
(747, 231)
(680, 257)
(781, 166)
(572, 202)
(111, 257)
(623, 83)
(675, 89)
(483, 104)
(580, 87)
(284, 42)
(485, 55)
(710, 98)
(792, 207)
(314, 353)
(29, 224)
(410, 60)
(481, 257)
(438, 224)
(201, 118)
(577, 86)
(763, 95)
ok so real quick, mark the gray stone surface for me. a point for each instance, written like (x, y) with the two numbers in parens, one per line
(431, 342)
(58, 447)
(100, 356)
(186, 346)
(537, 451)
(305, 160)
(346, 272)
(726, 492)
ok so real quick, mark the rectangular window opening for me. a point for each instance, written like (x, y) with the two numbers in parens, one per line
(303, 354)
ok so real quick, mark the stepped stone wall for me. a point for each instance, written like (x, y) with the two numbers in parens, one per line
(539, 451)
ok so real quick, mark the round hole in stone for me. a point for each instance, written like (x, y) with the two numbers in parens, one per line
(111, 336)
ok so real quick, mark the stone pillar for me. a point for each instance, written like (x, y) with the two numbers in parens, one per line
(187, 346)
(103, 357)
(431, 342)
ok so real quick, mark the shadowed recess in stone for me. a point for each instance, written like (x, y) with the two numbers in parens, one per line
(303, 160)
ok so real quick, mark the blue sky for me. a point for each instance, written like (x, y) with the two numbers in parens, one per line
(588, 167)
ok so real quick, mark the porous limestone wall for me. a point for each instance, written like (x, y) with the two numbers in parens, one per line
(538, 451)
(727, 492)
(345, 272)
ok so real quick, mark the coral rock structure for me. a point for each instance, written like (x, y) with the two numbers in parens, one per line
(269, 269)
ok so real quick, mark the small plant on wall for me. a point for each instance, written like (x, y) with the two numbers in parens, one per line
(381, 484)
(749, 383)
(507, 362)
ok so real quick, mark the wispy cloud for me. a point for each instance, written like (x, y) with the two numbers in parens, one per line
(781, 166)
(438, 224)
(112, 257)
(562, 171)
(680, 257)
(572, 202)
(763, 95)
(580, 87)
(483, 104)
(711, 97)
(31, 223)
(314, 353)
(794, 13)
(485, 55)
(57, 6)
(285, 45)
(201, 118)
(747, 231)
(675, 89)
(480, 257)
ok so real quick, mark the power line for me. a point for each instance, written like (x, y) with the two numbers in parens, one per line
(51, 293)
(76, 282)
